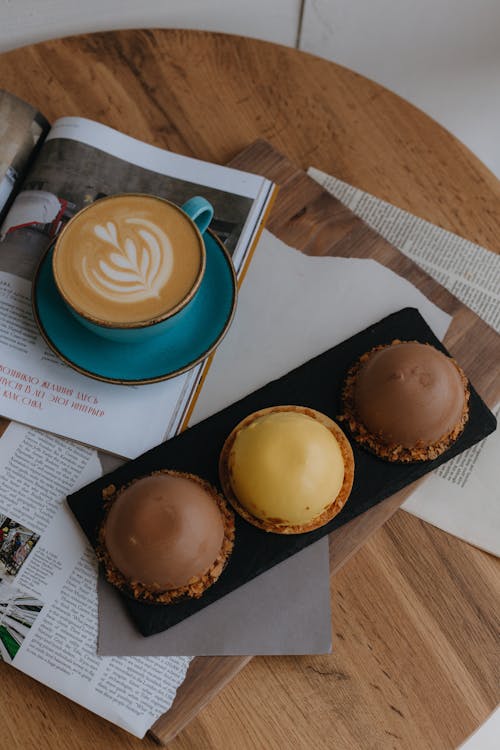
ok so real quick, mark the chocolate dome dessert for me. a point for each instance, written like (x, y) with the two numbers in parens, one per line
(406, 401)
(287, 469)
(165, 536)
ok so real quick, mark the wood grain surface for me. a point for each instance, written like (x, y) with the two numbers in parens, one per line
(413, 622)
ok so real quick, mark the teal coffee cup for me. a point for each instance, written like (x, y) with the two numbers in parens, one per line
(128, 266)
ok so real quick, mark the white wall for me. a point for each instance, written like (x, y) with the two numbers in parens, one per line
(442, 55)
(28, 21)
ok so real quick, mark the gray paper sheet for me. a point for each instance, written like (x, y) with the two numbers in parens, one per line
(286, 610)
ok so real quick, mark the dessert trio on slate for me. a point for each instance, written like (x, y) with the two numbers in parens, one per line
(284, 469)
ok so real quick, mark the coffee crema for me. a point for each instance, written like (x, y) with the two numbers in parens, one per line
(128, 259)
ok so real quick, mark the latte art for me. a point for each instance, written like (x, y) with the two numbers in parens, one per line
(128, 260)
(140, 268)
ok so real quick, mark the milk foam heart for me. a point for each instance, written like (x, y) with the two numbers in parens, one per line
(138, 264)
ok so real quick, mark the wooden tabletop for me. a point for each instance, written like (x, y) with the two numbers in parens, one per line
(414, 611)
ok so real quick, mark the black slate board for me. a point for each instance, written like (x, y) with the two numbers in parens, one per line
(315, 384)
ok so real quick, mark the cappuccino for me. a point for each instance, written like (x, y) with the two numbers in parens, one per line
(128, 260)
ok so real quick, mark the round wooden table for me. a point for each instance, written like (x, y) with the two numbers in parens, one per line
(405, 672)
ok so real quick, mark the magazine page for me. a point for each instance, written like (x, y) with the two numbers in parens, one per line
(48, 597)
(79, 162)
(472, 274)
(22, 130)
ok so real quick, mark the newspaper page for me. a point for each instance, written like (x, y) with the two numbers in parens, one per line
(22, 130)
(48, 597)
(463, 495)
(79, 162)
(467, 270)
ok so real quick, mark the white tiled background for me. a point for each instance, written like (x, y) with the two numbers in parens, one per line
(442, 55)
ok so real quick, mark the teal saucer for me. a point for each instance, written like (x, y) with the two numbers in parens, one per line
(201, 329)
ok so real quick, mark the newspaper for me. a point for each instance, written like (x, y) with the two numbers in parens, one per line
(48, 597)
(462, 496)
(467, 270)
(80, 161)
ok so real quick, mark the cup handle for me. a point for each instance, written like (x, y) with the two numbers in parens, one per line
(200, 211)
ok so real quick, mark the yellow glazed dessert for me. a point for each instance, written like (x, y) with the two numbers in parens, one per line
(287, 469)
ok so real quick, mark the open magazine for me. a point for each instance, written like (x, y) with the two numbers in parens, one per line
(46, 176)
